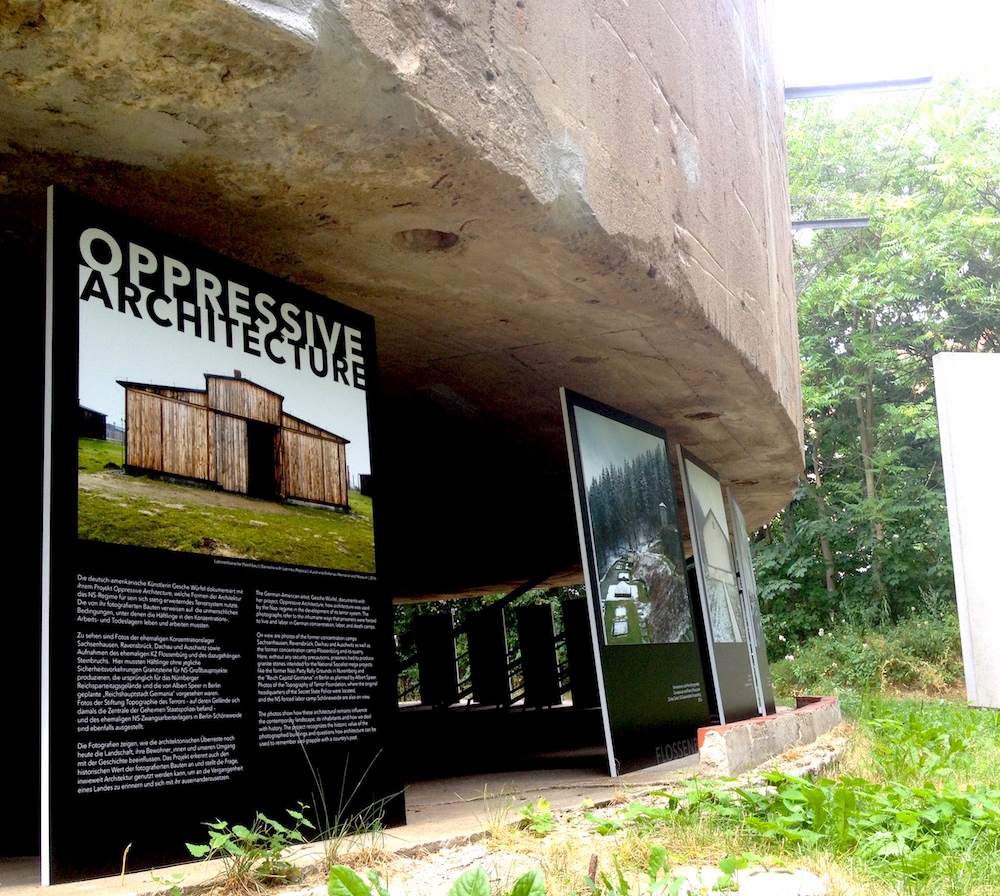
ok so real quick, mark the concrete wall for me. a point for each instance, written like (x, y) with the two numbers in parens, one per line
(736, 748)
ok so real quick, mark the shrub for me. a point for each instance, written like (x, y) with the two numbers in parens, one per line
(252, 856)
(921, 653)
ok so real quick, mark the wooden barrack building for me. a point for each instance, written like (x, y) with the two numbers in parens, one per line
(235, 436)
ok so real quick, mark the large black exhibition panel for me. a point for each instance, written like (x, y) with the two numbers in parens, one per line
(215, 639)
(649, 669)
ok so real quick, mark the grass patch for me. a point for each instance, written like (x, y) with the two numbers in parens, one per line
(134, 510)
(911, 741)
(96, 455)
(916, 809)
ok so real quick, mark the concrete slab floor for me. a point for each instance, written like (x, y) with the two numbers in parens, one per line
(438, 812)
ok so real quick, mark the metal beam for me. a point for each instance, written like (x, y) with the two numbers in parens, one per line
(813, 90)
(830, 224)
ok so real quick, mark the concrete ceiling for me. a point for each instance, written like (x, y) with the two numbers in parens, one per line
(322, 157)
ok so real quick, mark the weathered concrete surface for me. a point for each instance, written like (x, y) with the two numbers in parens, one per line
(733, 749)
(524, 194)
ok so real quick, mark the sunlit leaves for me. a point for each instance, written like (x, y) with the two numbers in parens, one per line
(875, 306)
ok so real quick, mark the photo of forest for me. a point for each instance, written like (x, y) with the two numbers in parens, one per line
(632, 508)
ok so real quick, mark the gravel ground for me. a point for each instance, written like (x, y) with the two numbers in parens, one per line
(504, 851)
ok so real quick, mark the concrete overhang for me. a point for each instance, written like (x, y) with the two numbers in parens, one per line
(525, 195)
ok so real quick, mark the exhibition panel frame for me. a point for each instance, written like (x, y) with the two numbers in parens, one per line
(650, 675)
(203, 657)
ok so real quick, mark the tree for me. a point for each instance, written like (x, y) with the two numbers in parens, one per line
(866, 535)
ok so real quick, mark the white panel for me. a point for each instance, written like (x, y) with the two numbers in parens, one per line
(968, 401)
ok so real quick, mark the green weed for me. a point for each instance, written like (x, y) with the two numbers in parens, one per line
(340, 824)
(346, 881)
(538, 819)
(923, 812)
(252, 857)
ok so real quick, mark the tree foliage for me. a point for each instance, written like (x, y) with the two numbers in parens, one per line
(866, 535)
(625, 506)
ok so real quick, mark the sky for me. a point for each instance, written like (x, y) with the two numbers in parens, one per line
(116, 347)
(606, 443)
(833, 41)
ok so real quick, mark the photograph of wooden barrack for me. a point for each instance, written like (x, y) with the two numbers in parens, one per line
(234, 435)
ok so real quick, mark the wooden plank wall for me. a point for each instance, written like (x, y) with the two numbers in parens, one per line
(185, 439)
(315, 468)
(303, 464)
(335, 468)
(143, 432)
(290, 423)
(188, 396)
(166, 435)
(241, 398)
(230, 453)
